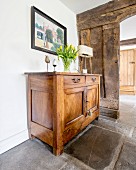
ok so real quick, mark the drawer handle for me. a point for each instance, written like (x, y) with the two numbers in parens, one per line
(89, 113)
(93, 79)
(76, 80)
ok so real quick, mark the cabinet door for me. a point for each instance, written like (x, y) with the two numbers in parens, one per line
(92, 98)
(73, 105)
(74, 112)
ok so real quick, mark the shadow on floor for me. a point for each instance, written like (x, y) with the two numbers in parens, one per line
(95, 148)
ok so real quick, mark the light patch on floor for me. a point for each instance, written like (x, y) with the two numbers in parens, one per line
(127, 110)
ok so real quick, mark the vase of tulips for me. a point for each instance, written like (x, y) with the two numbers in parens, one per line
(67, 54)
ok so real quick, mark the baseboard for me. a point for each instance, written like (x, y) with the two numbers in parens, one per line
(109, 112)
(13, 141)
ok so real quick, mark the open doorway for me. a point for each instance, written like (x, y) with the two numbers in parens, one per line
(127, 97)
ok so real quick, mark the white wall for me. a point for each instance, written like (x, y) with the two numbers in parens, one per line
(78, 6)
(128, 28)
(17, 57)
(127, 47)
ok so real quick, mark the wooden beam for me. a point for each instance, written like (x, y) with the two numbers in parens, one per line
(128, 42)
(98, 16)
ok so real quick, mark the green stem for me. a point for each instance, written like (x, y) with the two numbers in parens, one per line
(66, 64)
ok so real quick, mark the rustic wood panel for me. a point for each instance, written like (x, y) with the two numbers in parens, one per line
(73, 109)
(42, 108)
(125, 81)
(127, 88)
(37, 82)
(92, 98)
(103, 23)
(76, 108)
(42, 133)
(111, 65)
(92, 19)
(128, 42)
(130, 90)
(123, 68)
(58, 117)
(131, 64)
(73, 130)
(74, 81)
(92, 80)
(127, 71)
(127, 68)
(107, 8)
(135, 71)
(97, 60)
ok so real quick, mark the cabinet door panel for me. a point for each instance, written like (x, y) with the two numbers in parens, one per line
(42, 108)
(93, 97)
(73, 104)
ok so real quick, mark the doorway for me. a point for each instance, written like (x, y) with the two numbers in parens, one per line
(127, 97)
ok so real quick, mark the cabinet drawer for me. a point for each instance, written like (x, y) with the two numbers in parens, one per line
(74, 80)
(72, 129)
(92, 79)
(69, 133)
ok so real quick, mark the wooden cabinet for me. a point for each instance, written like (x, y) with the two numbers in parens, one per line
(60, 105)
(128, 71)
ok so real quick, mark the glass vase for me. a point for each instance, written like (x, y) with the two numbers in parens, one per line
(67, 64)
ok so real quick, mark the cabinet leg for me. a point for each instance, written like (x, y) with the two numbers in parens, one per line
(97, 118)
(58, 151)
(32, 137)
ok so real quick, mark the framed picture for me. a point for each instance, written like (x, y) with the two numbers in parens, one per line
(46, 34)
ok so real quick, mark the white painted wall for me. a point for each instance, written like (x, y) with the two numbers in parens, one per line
(127, 47)
(128, 28)
(79, 6)
(17, 57)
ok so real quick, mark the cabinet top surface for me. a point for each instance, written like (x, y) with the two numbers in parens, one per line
(60, 73)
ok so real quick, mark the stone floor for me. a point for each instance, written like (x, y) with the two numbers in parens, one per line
(96, 147)
(128, 109)
(103, 145)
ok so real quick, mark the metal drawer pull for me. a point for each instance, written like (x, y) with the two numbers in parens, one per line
(93, 79)
(132, 62)
(89, 112)
(76, 80)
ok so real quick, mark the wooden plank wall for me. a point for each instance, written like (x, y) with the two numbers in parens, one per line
(103, 26)
(127, 71)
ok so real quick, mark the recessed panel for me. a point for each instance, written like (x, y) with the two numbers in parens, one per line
(92, 98)
(42, 108)
(73, 106)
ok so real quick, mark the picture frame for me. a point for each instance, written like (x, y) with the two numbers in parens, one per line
(46, 33)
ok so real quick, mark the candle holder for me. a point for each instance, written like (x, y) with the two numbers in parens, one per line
(54, 64)
(47, 60)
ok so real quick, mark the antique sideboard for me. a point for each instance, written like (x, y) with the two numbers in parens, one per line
(60, 105)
